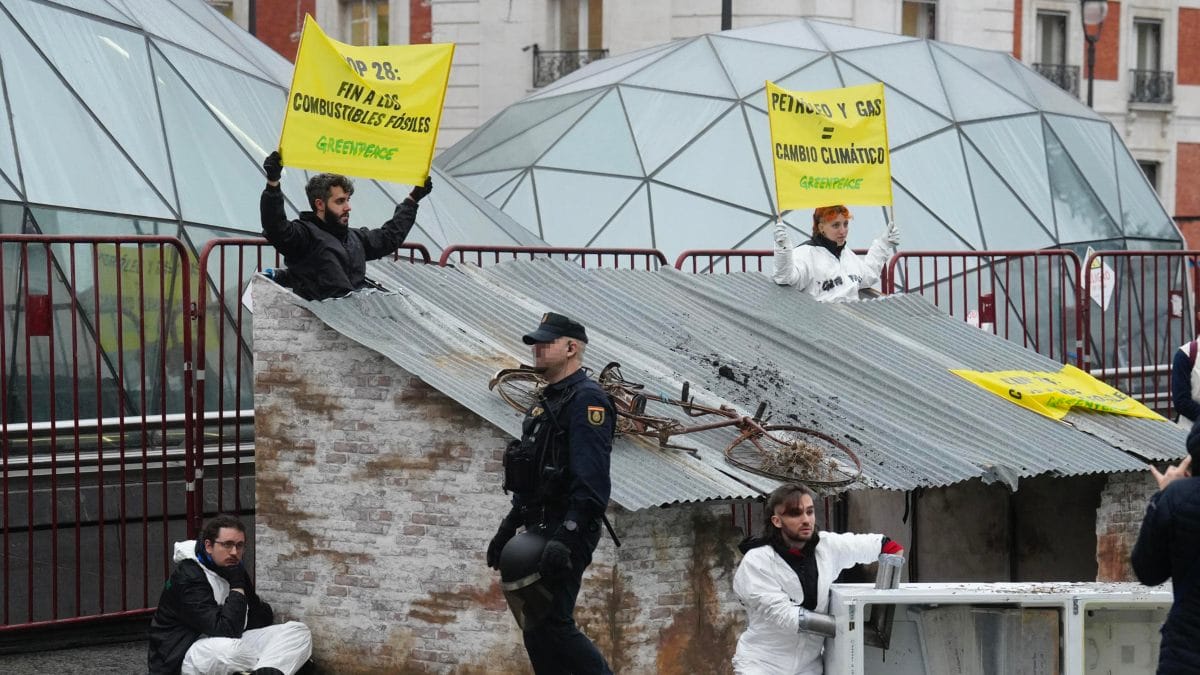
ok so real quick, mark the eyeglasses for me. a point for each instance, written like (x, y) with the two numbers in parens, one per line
(230, 545)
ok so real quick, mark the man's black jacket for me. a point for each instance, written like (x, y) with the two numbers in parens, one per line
(1168, 547)
(329, 262)
(187, 610)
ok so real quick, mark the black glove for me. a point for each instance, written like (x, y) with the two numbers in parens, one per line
(496, 545)
(273, 165)
(236, 576)
(418, 193)
(556, 559)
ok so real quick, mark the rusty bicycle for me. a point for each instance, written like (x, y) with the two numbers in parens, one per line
(780, 451)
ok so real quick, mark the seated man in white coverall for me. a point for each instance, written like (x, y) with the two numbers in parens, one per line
(784, 578)
(210, 620)
(823, 266)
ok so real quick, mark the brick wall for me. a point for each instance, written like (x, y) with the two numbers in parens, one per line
(275, 23)
(376, 498)
(1187, 187)
(1188, 61)
(1018, 33)
(420, 22)
(1108, 47)
(1122, 505)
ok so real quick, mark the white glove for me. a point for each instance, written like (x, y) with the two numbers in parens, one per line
(892, 234)
(782, 240)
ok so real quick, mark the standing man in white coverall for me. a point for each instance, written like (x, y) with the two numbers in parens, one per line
(784, 578)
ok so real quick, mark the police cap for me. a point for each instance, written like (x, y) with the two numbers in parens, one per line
(554, 326)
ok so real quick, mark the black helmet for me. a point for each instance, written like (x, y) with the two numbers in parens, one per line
(520, 575)
(521, 559)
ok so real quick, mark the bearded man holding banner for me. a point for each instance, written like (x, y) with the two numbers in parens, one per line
(371, 112)
(324, 257)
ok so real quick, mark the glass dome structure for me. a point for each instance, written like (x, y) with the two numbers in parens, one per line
(151, 117)
(669, 147)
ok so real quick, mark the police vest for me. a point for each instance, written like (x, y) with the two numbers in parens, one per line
(536, 466)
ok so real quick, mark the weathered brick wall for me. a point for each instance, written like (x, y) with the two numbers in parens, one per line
(377, 496)
(1122, 505)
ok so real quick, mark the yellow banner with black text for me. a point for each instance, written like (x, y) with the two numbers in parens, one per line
(830, 147)
(1053, 394)
(371, 112)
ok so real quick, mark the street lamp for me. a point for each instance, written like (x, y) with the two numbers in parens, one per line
(1092, 13)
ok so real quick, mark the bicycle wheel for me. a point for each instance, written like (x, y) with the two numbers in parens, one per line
(794, 453)
(521, 389)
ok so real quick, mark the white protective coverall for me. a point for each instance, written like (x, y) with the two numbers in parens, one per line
(770, 591)
(285, 646)
(813, 268)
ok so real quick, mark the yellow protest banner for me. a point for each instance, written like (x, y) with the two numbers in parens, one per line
(1053, 394)
(365, 111)
(830, 147)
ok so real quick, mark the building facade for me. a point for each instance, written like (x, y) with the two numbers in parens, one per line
(1146, 80)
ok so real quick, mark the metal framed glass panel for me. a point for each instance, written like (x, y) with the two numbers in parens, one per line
(950, 195)
(659, 129)
(575, 206)
(91, 56)
(749, 63)
(692, 69)
(904, 67)
(735, 177)
(53, 124)
(629, 227)
(1015, 147)
(603, 136)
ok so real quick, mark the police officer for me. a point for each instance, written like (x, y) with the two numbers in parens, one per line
(558, 475)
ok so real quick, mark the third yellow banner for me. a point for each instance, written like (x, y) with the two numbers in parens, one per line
(830, 147)
(1053, 394)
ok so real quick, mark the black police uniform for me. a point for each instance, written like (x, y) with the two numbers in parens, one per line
(559, 475)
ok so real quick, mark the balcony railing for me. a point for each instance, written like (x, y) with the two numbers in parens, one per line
(1061, 74)
(548, 66)
(1151, 86)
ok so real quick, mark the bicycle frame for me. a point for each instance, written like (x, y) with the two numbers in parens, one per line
(756, 443)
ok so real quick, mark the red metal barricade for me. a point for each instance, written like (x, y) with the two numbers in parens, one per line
(637, 258)
(724, 261)
(1138, 308)
(1028, 297)
(95, 415)
(107, 440)
(224, 423)
(224, 429)
(727, 261)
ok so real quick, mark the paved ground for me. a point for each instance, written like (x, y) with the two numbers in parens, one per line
(125, 657)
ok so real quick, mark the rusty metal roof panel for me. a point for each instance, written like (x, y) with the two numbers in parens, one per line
(873, 374)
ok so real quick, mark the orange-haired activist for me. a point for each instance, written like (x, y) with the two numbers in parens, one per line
(823, 266)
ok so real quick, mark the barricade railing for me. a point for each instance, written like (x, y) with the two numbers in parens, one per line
(1028, 297)
(98, 340)
(224, 434)
(724, 261)
(95, 414)
(635, 258)
(224, 371)
(1138, 308)
(727, 261)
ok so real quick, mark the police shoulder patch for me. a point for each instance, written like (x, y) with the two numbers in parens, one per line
(595, 414)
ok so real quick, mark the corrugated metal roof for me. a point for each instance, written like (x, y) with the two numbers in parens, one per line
(873, 374)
